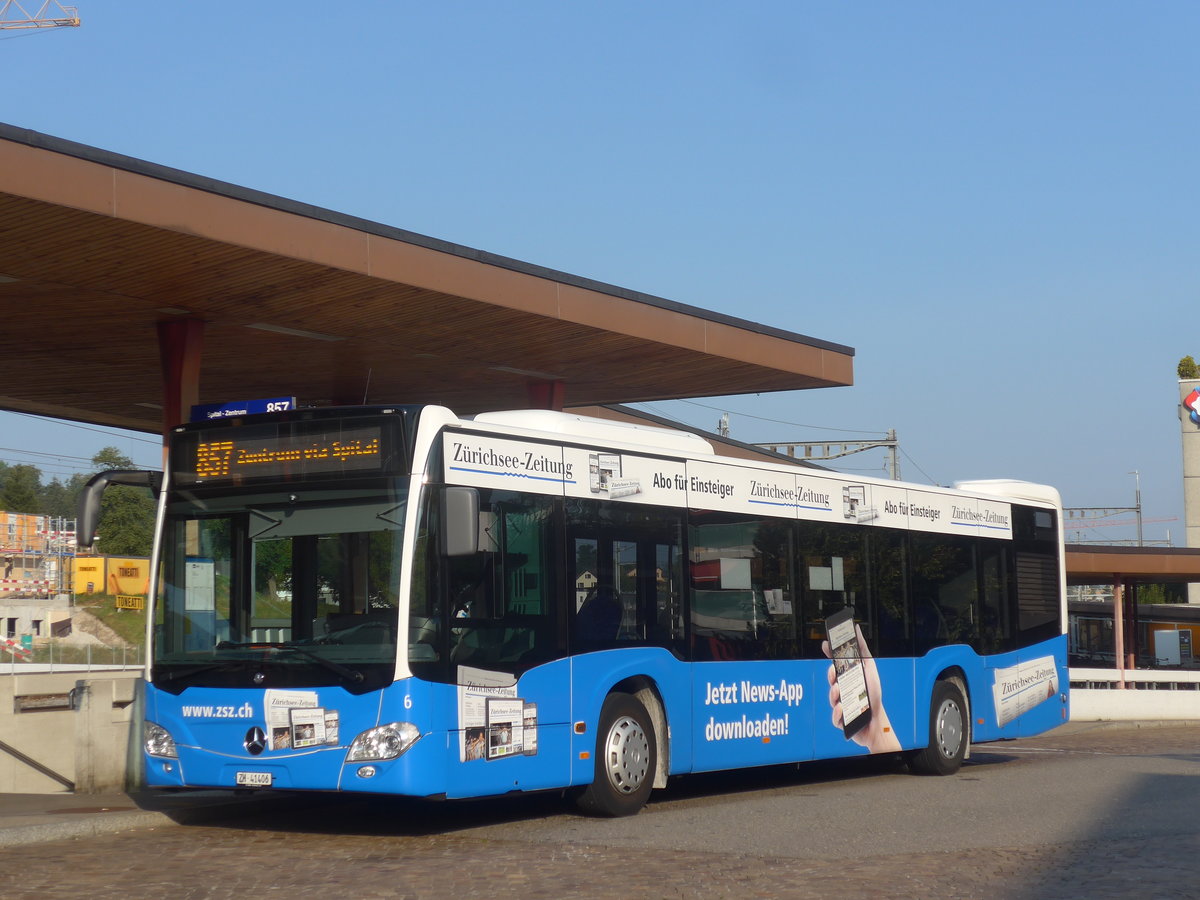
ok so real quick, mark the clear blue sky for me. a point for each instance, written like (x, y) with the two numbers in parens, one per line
(995, 205)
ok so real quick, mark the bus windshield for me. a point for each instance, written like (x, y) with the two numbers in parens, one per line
(294, 587)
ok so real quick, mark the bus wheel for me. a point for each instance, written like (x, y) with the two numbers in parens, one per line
(626, 758)
(947, 733)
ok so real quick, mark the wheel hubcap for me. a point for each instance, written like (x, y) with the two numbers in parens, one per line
(949, 729)
(627, 759)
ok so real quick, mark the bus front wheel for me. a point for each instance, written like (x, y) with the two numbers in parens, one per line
(948, 733)
(626, 759)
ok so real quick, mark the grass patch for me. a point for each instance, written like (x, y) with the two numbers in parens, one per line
(130, 624)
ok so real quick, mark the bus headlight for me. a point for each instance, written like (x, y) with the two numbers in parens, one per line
(158, 741)
(384, 742)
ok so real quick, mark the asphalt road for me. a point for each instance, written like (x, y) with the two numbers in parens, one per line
(1095, 812)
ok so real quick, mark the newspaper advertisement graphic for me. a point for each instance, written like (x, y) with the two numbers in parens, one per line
(529, 730)
(475, 688)
(1018, 689)
(506, 722)
(854, 504)
(331, 726)
(308, 727)
(279, 706)
(604, 476)
(296, 721)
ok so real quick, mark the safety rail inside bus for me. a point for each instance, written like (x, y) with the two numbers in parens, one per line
(397, 600)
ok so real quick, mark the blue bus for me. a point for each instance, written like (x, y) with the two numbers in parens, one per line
(398, 600)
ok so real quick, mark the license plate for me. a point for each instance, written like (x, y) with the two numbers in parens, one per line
(254, 779)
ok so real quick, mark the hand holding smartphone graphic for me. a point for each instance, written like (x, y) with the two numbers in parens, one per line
(855, 691)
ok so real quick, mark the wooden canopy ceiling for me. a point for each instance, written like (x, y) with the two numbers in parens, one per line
(95, 249)
(1103, 564)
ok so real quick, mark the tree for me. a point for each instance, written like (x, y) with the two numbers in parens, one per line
(22, 489)
(1188, 368)
(111, 458)
(59, 498)
(126, 526)
(1161, 593)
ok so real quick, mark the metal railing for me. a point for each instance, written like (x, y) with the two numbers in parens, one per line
(61, 656)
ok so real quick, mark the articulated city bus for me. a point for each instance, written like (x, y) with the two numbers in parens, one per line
(398, 600)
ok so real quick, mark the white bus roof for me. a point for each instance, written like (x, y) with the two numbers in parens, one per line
(671, 441)
(589, 428)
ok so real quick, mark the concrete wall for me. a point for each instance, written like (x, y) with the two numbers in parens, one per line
(1148, 695)
(75, 730)
(27, 611)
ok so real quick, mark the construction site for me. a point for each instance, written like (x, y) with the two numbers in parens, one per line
(59, 607)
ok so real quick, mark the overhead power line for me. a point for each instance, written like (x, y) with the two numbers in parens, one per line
(123, 436)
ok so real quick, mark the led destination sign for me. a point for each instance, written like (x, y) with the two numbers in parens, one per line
(278, 452)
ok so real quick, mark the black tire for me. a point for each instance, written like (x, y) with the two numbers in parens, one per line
(626, 759)
(948, 733)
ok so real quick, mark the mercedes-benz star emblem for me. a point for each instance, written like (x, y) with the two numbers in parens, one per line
(256, 741)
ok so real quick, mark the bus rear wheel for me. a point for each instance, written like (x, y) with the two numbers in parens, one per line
(626, 759)
(948, 733)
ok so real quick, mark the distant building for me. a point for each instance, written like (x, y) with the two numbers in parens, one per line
(34, 554)
(584, 584)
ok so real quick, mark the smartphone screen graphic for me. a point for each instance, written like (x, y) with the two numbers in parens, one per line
(848, 667)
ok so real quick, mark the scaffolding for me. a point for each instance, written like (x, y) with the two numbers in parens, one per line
(35, 555)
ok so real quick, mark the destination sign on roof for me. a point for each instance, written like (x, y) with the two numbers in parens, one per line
(209, 412)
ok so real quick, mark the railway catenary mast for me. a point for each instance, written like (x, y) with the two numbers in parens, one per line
(16, 15)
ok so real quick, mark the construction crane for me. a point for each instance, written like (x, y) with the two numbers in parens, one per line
(14, 15)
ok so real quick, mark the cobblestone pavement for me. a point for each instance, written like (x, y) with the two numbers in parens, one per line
(383, 851)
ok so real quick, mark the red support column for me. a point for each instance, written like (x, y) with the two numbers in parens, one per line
(1131, 634)
(1119, 629)
(546, 394)
(180, 342)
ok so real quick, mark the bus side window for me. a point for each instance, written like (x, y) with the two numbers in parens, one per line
(888, 574)
(945, 591)
(627, 576)
(502, 612)
(835, 573)
(741, 600)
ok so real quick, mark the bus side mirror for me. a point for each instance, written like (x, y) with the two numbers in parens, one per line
(460, 521)
(88, 509)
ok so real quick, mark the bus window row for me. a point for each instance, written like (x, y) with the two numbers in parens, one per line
(554, 577)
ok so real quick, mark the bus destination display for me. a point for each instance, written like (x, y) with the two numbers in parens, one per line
(232, 457)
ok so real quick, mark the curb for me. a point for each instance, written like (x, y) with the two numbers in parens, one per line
(83, 827)
(91, 824)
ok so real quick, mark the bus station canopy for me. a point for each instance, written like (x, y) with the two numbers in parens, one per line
(100, 253)
(1104, 564)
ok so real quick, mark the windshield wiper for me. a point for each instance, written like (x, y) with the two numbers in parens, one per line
(272, 522)
(172, 674)
(345, 671)
(386, 514)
